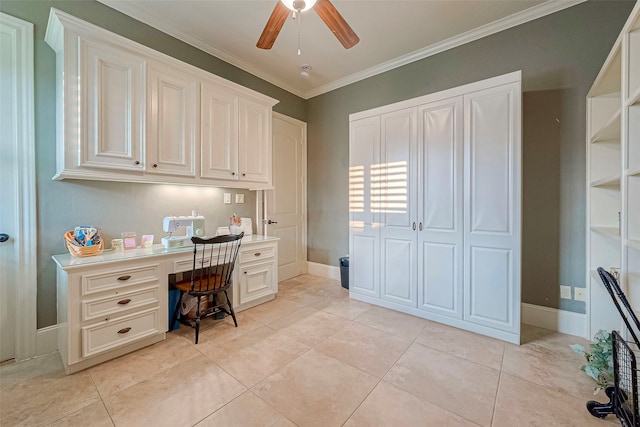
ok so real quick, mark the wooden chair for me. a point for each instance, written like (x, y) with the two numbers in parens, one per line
(213, 263)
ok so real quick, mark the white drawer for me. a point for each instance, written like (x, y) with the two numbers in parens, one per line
(256, 253)
(112, 280)
(114, 333)
(113, 305)
(186, 264)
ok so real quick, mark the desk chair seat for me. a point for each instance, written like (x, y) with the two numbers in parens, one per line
(213, 263)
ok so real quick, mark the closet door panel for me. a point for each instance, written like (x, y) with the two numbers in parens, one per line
(440, 207)
(364, 213)
(395, 192)
(492, 199)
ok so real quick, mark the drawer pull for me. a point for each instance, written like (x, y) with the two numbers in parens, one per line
(124, 301)
(124, 278)
(258, 254)
(124, 330)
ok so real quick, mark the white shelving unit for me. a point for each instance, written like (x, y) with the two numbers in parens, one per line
(613, 176)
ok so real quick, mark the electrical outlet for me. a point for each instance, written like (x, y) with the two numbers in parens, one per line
(565, 292)
(239, 198)
(227, 198)
(580, 294)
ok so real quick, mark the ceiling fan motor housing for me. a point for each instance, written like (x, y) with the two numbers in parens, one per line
(299, 5)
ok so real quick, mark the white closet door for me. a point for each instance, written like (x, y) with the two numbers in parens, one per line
(396, 194)
(364, 217)
(492, 198)
(440, 236)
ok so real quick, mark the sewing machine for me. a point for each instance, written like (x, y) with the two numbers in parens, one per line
(194, 227)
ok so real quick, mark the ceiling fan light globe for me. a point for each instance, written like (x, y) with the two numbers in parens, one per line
(308, 4)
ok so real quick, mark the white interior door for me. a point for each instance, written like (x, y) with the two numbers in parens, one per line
(286, 203)
(17, 191)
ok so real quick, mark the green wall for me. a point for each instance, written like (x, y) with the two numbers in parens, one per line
(113, 206)
(560, 56)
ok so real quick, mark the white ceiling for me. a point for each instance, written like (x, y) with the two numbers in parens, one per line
(392, 33)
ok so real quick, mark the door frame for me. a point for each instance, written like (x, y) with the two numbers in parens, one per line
(25, 203)
(261, 200)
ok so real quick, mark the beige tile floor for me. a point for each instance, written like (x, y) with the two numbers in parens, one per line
(313, 357)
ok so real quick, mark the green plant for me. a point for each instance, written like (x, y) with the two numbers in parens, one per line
(599, 360)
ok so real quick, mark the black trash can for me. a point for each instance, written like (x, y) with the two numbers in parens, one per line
(344, 272)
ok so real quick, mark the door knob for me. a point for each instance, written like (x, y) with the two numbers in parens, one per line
(272, 222)
(3, 237)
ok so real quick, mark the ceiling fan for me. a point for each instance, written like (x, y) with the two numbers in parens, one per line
(325, 10)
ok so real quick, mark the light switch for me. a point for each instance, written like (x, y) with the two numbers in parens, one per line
(239, 198)
(227, 198)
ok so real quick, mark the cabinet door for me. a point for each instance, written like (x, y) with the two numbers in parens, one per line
(219, 127)
(111, 107)
(171, 120)
(396, 194)
(492, 197)
(364, 208)
(440, 235)
(256, 281)
(254, 145)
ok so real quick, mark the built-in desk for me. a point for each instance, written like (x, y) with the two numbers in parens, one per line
(116, 302)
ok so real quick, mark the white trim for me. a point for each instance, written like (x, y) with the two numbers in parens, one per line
(566, 322)
(323, 270)
(543, 9)
(47, 339)
(26, 290)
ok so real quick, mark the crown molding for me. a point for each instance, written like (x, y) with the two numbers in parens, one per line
(539, 11)
(494, 27)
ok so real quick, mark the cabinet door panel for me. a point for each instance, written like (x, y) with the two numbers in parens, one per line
(492, 207)
(441, 283)
(490, 287)
(256, 281)
(364, 170)
(219, 127)
(254, 148)
(440, 214)
(399, 277)
(112, 107)
(171, 121)
(363, 263)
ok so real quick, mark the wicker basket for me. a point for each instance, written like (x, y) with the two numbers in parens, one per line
(81, 251)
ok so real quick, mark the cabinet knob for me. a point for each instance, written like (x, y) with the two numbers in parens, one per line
(124, 330)
(124, 301)
(137, 162)
(244, 174)
(258, 253)
(233, 173)
(124, 278)
(414, 225)
(420, 227)
(155, 165)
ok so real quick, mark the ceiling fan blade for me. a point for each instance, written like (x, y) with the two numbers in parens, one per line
(336, 23)
(273, 27)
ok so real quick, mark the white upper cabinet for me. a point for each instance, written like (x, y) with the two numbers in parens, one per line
(219, 129)
(129, 113)
(254, 148)
(111, 106)
(171, 120)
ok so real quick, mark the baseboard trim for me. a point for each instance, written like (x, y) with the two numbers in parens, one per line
(47, 339)
(566, 322)
(323, 270)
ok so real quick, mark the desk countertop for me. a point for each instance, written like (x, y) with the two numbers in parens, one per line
(68, 262)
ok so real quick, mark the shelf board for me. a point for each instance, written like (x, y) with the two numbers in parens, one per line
(610, 232)
(633, 172)
(633, 243)
(610, 131)
(607, 181)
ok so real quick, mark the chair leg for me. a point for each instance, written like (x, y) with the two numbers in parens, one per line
(233, 313)
(174, 318)
(198, 319)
